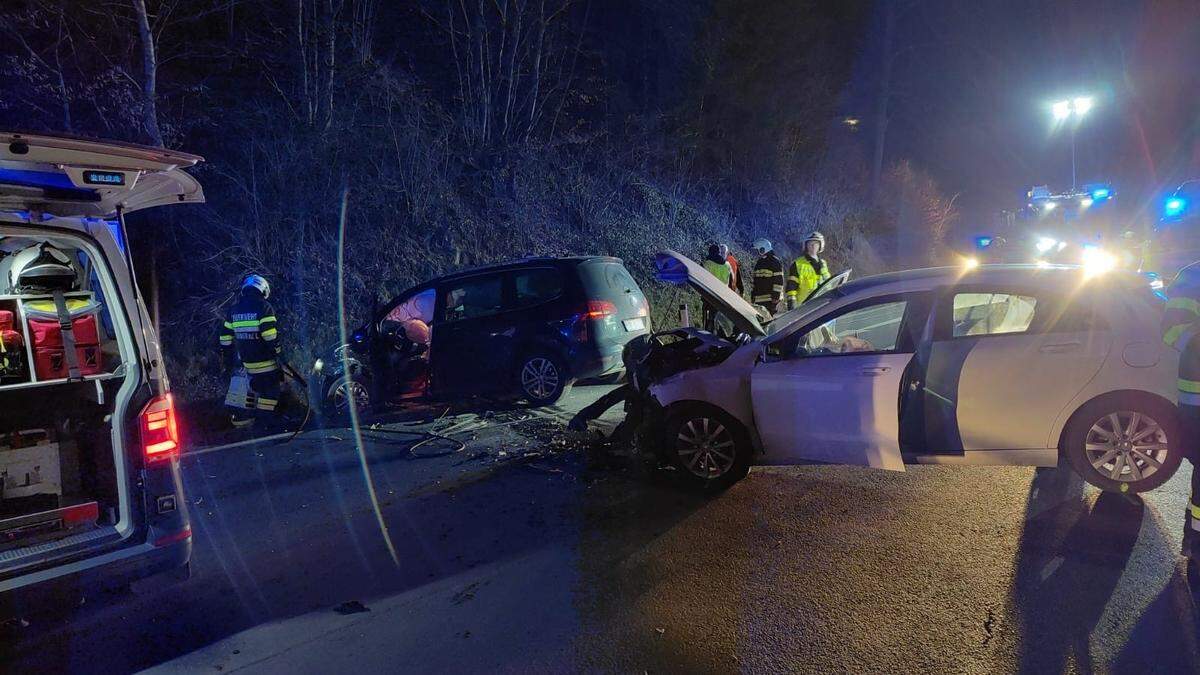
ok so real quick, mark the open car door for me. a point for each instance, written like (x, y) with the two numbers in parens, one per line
(829, 284)
(830, 391)
(70, 177)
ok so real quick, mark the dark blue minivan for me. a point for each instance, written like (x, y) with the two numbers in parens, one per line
(528, 328)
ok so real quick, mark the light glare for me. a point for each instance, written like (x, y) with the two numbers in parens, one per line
(1082, 105)
(1062, 110)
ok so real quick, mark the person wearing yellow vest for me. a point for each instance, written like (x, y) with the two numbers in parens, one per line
(1181, 324)
(808, 271)
(718, 266)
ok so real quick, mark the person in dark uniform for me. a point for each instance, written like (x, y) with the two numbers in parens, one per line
(250, 336)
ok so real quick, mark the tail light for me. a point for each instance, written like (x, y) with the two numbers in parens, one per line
(598, 309)
(160, 431)
(594, 310)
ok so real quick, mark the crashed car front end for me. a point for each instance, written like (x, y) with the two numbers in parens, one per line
(681, 366)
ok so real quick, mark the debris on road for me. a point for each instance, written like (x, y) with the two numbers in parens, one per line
(351, 607)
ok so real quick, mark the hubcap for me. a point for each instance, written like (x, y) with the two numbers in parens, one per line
(351, 390)
(539, 378)
(706, 447)
(1126, 446)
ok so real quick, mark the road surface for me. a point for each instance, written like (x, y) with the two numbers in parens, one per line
(564, 561)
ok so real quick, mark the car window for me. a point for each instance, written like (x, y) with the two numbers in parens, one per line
(992, 313)
(474, 297)
(874, 328)
(535, 286)
(418, 306)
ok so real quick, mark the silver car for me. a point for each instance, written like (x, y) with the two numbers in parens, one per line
(994, 364)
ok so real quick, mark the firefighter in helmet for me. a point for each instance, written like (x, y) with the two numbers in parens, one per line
(250, 337)
(808, 271)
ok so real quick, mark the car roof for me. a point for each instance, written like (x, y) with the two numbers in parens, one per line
(997, 274)
(532, 261)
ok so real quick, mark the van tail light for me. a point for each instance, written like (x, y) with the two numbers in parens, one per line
(160, 431)
(598, 309)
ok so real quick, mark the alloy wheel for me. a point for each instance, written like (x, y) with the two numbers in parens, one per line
(1126, 446)
(706, 447)
(539, 378)
(348, 390)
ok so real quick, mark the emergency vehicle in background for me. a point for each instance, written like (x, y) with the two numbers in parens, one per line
(90, 489)
(1175, 240)
(1076, 227)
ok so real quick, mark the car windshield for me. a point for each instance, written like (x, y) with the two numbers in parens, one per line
(781, 322)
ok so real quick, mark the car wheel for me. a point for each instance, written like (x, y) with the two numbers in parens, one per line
(707, 447)
(1124, 443)
(346, 389)
(542, 378)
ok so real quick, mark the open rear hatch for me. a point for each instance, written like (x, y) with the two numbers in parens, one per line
(69, 352)
(68, 177)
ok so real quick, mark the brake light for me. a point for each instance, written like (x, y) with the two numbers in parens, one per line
(598, 309)
(160, 431)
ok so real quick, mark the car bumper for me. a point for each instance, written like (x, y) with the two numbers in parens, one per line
(31, 593)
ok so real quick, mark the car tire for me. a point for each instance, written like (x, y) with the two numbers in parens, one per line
(1112, 441)
(542, 378)
(341, 389)
(707, 447)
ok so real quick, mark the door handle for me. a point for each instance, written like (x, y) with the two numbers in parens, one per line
(1060, 347)
(874, 370)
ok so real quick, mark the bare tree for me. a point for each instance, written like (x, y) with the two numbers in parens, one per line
(149, 74)
(513, 60)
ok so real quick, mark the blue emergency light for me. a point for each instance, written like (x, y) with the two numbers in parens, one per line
(1101, 193)
(983, 242)
(1175, 206)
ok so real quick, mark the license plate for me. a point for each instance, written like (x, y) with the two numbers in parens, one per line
(635, 324)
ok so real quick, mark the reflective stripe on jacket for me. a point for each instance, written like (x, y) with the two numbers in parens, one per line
(769, 281)
(803, 278)
(251, 330)
(1181, 322)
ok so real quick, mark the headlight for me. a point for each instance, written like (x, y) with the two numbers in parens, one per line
(1045, 244)
(1097, 260)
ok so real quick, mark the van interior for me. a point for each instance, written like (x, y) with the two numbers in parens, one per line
(60, 478)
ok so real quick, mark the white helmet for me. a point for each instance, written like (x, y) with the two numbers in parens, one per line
(762, 245)
(257, 281)
(817, 237)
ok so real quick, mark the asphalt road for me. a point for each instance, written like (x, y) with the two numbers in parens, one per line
(565, 560)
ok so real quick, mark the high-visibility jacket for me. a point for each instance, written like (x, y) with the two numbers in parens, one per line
(804, 276)
(250, 330)
(721, 270)
(769, 281)
(1181, 323)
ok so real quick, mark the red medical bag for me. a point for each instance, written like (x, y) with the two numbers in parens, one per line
(49, 356)
(12, 347)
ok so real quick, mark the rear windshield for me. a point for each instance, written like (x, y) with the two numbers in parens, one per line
(607, 280)
(46, 282)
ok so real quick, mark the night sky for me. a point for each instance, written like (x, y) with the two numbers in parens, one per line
(978, 80)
